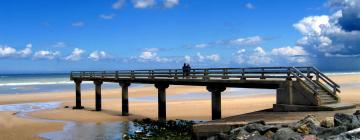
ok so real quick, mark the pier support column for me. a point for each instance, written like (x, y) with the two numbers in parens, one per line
(216, 100)
(98, 95)
(78, 95)
(124, 98)
(161, 101)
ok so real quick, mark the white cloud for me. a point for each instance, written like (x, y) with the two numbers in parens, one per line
(75, 55)
(170, 3)
(212, 57)
(187, 59)
(97, 55)
(107, 17)
(292, 54)
(242, 41)
(162, 59)
(118, 4)
(27, 51)
(78, 24)
(147, 55)
(201, 46)
(6, 51)
(240, 56)
(59, 45)
(46, 54)
(337, 34)
(312, 25)
(249, 6)
(152, 49)
(259, 57)
(289, 51)
(340, 55)
(143, 3)
(254, 40)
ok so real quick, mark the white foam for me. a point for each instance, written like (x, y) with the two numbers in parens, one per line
(343, 73)
(38, 83)
(29, 107)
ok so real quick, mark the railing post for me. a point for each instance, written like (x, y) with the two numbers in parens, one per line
(152, 74)
(132, 76)
(206, 73)
(176, 74)
(288, 74)
(308, 72)
(317, 76)
(103, 74)
(194, 74)
(262, 74)
(243, 74)
(170, 73)
(117, 74)
(225, 73)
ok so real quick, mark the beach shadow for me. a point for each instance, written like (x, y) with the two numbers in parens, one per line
(116, 113)
(270, 116)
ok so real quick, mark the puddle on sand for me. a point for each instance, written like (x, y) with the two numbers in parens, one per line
(72, 130)
(23, 108)
(91, 131)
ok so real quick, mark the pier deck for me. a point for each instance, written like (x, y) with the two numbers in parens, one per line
(298, 88)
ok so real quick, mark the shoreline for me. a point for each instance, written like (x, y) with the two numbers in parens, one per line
(192, 109)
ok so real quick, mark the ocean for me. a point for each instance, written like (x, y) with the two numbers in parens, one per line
(41, 83)
(45, 83)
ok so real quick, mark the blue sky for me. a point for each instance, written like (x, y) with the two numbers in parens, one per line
(64, 35)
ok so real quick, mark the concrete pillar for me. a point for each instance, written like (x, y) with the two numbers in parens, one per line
(78, 95)
(161, 101)
(125, 99)
(284, 94)
(98, 95)
(215, 100)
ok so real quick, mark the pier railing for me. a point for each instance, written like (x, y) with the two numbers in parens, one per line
(302, 74)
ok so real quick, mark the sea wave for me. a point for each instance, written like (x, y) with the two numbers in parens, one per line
(38, 83)
(343, 73)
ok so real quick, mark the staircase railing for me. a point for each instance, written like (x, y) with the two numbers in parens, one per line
(322, 78)
(304, 79)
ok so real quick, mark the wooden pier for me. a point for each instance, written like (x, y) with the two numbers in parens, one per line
(298, 88)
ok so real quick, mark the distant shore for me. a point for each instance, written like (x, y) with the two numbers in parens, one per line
(13, 127)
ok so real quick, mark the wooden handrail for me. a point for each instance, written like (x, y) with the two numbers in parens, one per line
(324, 76)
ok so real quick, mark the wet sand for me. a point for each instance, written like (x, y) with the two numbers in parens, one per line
(199, 109)
(15, 128)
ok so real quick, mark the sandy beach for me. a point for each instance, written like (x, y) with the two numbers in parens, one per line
(14, 127)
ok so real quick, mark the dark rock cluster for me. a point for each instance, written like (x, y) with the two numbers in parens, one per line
(340, 127)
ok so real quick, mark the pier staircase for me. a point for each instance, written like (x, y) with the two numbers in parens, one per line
(313, 90)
